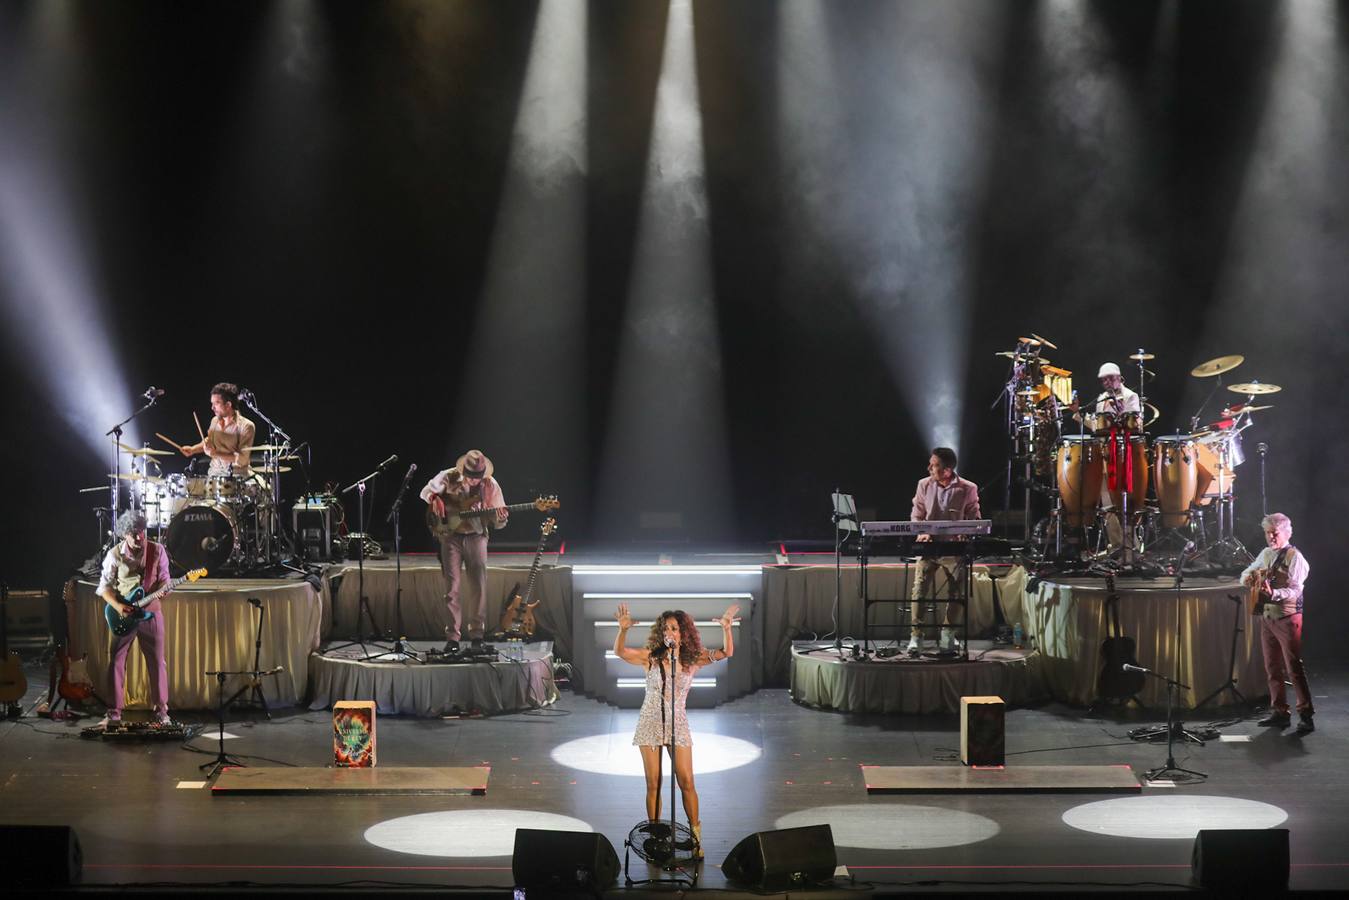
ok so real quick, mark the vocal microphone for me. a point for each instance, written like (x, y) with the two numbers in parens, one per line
(1262, 448)
(1189, 546)
(669, 641)
(247, 396)
(388, 462)
(1133, 668)
(153, 393)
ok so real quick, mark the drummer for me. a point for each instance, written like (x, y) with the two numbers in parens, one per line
(229, 440)
(1116, 404)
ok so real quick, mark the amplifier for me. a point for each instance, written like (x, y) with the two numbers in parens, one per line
(312, 520)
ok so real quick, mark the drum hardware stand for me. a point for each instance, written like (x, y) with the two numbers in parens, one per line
(255, 675)
(363, 602)
(401, 651)
(222, 759)
(1231, 683)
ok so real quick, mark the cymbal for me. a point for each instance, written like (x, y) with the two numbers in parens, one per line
(1028, 392)
(144, 451)
(1011, 354)
(266, 448)
(1033, 342)
(270, 469)
(1217, 366)
(1254, 387)
(1044, 340)
(1140, 356)
(134, 476)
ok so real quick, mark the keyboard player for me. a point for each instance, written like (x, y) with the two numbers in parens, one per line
(942, 495)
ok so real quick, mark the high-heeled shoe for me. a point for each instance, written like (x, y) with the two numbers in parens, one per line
(697, 840)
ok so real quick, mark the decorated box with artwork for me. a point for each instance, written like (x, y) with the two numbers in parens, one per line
(354, 733)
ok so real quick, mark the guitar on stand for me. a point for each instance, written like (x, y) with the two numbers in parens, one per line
(517, 619)
(1115, 682)
(442, 527)
(138, 600)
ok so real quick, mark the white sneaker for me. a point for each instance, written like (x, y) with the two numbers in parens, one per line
(948, 641)
(915, 644)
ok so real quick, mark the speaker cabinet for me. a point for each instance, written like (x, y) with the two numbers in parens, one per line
(778, 860)
(44, 856)
(1244, 860)
(563, 860)
(981, 731)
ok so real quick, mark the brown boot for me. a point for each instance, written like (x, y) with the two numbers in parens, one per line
(697, 840)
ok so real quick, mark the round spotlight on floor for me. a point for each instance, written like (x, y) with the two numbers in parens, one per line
(614, 754)
(895, 826)
(1171, 818)
(465, 833)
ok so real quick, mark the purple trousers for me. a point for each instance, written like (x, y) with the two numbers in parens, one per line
(1281, 641)
(149, 634)
(469, 552)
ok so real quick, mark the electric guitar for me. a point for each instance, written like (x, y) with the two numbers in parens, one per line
(138, 600)
(443, 526)
(13, 683)
(517, 619)
(73, 684)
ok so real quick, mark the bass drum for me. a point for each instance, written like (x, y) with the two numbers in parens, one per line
(204, 535)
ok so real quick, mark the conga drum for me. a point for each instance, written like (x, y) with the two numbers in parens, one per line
(1138, 453)
(1175, 466)
(1079, 469)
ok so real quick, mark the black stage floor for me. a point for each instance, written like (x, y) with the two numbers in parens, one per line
(141, 820)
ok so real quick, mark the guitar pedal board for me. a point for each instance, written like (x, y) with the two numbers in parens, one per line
(135, 732)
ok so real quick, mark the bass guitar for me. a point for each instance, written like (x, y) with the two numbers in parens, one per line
(1115, 683)
(443, 526)
(517, 619)
(138, 600)
(13, 683)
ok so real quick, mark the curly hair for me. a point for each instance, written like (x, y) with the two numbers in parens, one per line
(690, 644)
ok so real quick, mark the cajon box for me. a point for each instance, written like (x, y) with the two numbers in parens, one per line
(354, 734)
(981, 731)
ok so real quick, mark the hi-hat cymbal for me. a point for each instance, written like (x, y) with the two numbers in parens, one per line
(144, 451)
(135, 476)
(1217, 366)
(270, 469)
(1044, 340)
(1141, 355)
(1254, 387)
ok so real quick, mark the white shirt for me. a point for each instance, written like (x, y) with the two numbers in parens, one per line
(1126, 401)
(1287, 593)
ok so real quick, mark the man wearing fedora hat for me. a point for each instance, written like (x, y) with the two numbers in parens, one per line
(468, 485)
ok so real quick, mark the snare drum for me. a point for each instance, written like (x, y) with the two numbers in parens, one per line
(1176, 464)
(1079, 468)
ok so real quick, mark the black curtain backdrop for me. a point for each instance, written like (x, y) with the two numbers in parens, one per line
(307, 209)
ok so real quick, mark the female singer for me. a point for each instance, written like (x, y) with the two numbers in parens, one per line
(673, 634)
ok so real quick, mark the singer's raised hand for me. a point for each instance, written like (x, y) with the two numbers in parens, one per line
(728, 617)
(624, 620)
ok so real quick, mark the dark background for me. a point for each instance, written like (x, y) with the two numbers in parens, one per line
(311, 218)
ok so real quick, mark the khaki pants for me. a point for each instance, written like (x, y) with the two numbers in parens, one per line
(940, 577)
(468, 551)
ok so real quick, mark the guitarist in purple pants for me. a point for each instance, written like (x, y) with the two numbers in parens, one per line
(463, 543)
(136, 561)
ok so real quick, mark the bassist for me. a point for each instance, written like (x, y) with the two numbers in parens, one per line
(469, 485)
(136, 561)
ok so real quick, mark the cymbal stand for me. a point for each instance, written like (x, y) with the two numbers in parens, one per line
(115, 432)
(275, 533)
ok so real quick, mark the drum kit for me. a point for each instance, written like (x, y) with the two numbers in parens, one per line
(223, 523)
(1174, 484)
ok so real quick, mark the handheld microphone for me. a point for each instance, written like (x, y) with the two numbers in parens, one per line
(153, 393)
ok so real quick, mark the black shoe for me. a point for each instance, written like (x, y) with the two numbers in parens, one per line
(450, 648)
(475, 644)
(1276, 720)
(1305, 725)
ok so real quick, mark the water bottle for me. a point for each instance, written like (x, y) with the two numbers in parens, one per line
(1017, 636)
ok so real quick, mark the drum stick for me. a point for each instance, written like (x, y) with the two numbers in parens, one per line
(167, 441)
(198, 421)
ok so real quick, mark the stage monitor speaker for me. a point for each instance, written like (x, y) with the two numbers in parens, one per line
(563, 860)
(1241, 859)
(44, 856)
(778, 860)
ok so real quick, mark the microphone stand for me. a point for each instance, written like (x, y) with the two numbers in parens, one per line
(115, 432)
(275, 533)
(362, 602)
(1262, 448)
(1173, 727)
(401, 650)
(1170, 769)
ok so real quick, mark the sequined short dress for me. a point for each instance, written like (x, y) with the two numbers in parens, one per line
(650, 732)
